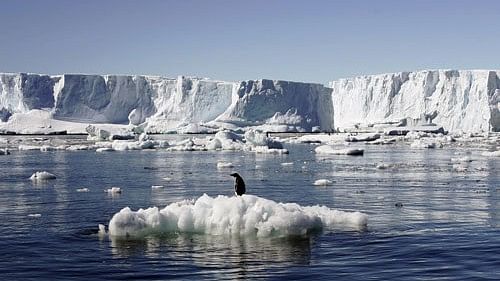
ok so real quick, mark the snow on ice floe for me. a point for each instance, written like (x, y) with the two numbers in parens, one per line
(42, 176)
(322, 182)
(233, 216)
(327, 149)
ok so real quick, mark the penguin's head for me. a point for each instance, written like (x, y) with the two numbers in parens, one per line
(234, 175)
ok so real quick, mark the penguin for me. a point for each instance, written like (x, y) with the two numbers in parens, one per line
(239, 184)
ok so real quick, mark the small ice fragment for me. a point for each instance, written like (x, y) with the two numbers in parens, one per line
(114, 190)
(104, 149)
(83, 189)
(167, 179)
(491, 153)
(461, 159)
(322, 182)
(383, 166)
(327, 149)
(156, 186)
(34, 215)
(42, 176)
(102, 229)
(222, 165)
(287, 164)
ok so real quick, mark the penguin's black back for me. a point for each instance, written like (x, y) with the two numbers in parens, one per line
(239, 185)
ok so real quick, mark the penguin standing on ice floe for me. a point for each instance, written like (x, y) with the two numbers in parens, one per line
(239, 184)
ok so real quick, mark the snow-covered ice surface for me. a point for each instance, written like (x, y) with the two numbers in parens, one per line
(236, 215)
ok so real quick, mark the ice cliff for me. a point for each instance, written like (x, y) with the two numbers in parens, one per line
(161, 104)
(458, 100)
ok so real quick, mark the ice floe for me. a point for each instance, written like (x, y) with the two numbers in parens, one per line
(233, 216)
(42, 176)
(327, 149)
(322, 182)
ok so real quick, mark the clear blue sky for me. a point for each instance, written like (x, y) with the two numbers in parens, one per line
(234, 40)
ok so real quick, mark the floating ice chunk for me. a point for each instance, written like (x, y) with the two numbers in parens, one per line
(42, 176)
(383, 166)
(492, 153)
(266, 150)
(114, 190)
(45, 148)
(461, 159)
(28, 147)
(83, 189)
(96, 134)
(418, 143)
(34, 215)
(105, 149)
(157, 187)
(222, 165)
(363, 137)
(459, 168)
(327, 149)
(77, 147)
(102, 229)
(256, 138)
(233, 216)
(322, 182)
(122, 145)
(167, 179)
(287, 164)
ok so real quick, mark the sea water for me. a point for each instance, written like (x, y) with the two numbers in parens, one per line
(426, 218)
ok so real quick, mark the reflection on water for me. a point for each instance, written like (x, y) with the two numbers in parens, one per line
(212, 252)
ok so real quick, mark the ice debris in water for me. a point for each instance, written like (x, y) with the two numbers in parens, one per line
(328, 149)
(42, 176)
(114, 190)
(102, 229)
(34, 215)
(156, 186)
(322, 182)
(238, 215)
(492, 153)
(287, 164)
(222, 165)
(83, 189)
(167, 179)
(383, 166)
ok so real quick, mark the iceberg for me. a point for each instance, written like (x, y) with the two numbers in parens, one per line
(159, 104)
(458, 100)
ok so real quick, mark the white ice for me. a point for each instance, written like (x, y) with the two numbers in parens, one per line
(42, 176)
(233, 216)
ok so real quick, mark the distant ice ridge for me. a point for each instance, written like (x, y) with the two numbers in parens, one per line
(161, 105)
(458, 100)
(233, 216)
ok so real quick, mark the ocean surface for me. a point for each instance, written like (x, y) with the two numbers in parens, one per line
(427, 220)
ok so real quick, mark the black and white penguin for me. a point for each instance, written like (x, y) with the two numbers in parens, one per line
(239, 184)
